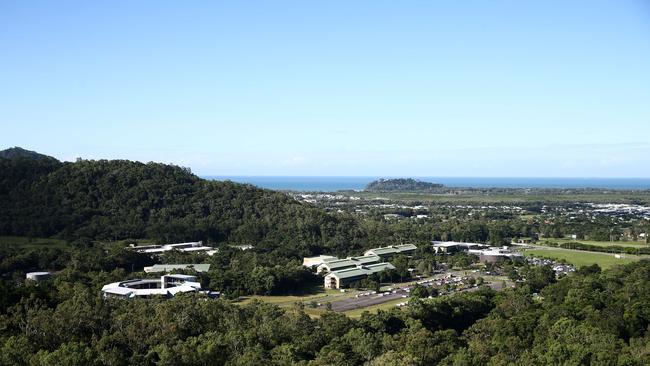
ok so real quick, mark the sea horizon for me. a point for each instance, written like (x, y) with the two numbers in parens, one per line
(340, 183)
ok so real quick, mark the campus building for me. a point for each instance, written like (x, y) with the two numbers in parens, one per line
(336, 264)
(156, 268)
(446, 247)
(189, 247)
(342, 278)
(313, 262)
(494, 254)
(167, 286)
(390, 251)
(38, 276)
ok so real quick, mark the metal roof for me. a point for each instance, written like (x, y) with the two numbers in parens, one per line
(188, 284)
(118, 291)
(394, 249)
(446, 244)
(350, 262)
(202, 267)
(361, 271)
(38, 273)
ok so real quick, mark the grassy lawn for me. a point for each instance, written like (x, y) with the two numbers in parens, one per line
(629, 244)
(32, 243)
(581, 258)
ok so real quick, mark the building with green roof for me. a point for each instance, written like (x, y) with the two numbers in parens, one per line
(330, 265)
(342, 278)
(387, 252)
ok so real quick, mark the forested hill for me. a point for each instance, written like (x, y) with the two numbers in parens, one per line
(118, 199)
(401, 184)
(18, 152)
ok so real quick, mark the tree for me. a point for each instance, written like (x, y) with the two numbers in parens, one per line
(393, 358)
(538, 277)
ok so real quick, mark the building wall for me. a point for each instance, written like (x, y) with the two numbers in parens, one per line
(331, 282)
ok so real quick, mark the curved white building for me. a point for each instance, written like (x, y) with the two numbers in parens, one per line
(167, 286)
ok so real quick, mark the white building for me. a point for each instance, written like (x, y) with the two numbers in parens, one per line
(167, 286)
(243, 246)
(196, 246)
(201, 267)
(454, 246)
(317, 260)
(38, 276)
(493, 254)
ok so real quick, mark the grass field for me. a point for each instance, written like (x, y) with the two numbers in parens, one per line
(582, 258)
(32, 243)
(629, 244)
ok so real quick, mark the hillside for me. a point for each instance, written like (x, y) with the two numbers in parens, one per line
(401, 185)
(118, 199)
(19, 152)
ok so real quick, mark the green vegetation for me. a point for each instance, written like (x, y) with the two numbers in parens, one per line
(20, 153)
(401, 185)
(582, 258)
(21, 242)
(102, 204)
(93, 209)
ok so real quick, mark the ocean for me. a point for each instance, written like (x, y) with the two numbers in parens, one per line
(332, 184)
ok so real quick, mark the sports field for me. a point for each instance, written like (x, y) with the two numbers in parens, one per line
(582, 258)
(629, 244)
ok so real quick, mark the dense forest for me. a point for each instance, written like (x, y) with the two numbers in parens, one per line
(588, 318)
(18, 152)
(401, 184)
(111, 200)
(591, 317)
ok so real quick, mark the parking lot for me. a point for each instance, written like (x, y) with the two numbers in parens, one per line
(402, 291)
(369, 298)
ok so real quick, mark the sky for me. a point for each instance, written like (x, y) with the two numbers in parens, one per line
(333, 88)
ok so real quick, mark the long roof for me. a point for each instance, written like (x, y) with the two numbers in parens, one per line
(456, 243)
(362, 271)
(351, 261)
(124, 291)
(394, 249)
(201, 267)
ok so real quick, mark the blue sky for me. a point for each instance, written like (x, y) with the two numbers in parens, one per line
(379, 88)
